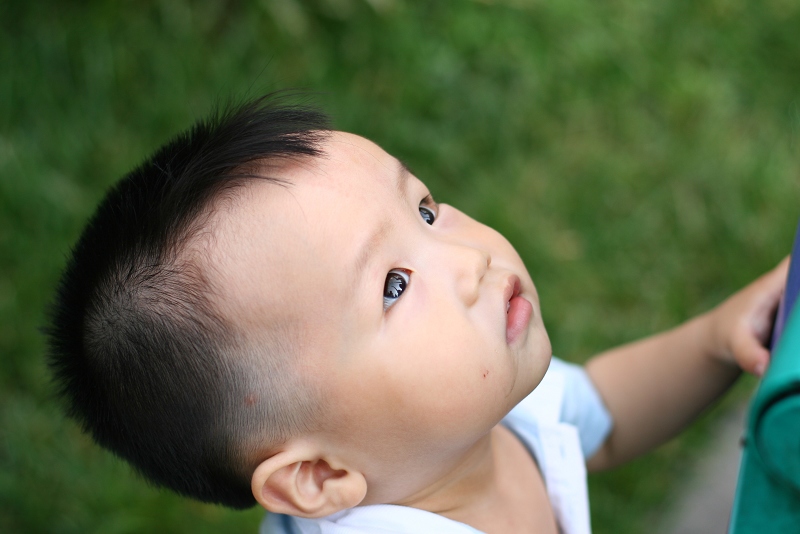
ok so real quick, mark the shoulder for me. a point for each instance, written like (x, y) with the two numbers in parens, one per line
(566, 394)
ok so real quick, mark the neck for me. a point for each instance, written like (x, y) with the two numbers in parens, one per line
(472, 483)
(495, 488)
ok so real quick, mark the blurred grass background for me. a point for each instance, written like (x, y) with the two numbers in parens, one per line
(641, 155)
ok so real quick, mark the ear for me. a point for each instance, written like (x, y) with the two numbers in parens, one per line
(298, 481)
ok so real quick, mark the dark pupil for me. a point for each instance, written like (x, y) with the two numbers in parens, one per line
(427, 215)
(395, 285)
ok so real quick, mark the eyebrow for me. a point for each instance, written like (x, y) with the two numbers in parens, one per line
(386, 226)
(403, 173)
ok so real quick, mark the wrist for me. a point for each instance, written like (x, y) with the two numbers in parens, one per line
(714, 344)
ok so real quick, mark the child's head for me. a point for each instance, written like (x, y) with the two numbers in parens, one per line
(268, 308)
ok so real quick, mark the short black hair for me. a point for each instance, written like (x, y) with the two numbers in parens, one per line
(137, 350)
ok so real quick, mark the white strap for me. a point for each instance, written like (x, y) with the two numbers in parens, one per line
(564, 471)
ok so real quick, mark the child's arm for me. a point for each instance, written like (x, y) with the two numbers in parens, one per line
(656, 386)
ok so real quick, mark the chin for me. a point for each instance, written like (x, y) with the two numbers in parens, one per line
(541, 363)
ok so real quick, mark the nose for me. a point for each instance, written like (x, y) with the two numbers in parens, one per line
(469, 264)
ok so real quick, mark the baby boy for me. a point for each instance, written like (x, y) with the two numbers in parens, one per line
(270, 311)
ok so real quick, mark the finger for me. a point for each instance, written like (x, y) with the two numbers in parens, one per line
(751, 355)
(777, 276)
(771, 284)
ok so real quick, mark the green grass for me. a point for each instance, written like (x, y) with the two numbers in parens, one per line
(642, 156)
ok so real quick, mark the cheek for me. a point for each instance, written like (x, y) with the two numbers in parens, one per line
(455, 369)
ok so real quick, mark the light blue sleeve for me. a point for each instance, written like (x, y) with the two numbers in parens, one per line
(583, 407)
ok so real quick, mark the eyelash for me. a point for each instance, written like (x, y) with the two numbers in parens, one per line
(398, 279)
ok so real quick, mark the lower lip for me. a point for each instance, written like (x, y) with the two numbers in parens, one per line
(517, 318)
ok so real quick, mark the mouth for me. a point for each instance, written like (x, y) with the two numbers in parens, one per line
(518, 310)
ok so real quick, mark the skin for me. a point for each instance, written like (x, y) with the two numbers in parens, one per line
(414, 392)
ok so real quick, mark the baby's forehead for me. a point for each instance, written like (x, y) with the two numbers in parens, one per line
(347, 163)
(347, 158)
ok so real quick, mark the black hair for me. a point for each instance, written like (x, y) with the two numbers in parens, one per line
(137, 350)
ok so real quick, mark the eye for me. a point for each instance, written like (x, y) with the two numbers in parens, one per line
(396, 283)
(427, 214)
